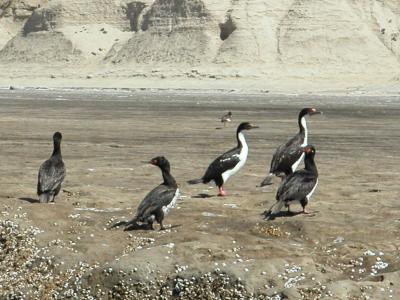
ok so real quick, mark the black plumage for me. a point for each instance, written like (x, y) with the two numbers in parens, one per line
(289, 155)
(51, 173)
(228, 163)
(157, 202)
(298, 186)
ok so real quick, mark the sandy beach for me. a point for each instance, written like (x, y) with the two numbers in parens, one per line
(125, 81)
(346, 249)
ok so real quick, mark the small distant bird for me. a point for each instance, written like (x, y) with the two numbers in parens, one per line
(226, 118)
(297, 187)
(157, 202)
(288, 156)
(51, 173)
(228, 163)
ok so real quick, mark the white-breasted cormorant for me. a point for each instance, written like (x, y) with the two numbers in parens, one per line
(288, 156)
(228, 163)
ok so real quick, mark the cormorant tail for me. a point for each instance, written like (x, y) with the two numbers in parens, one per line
(267, 180)
(275, 208)
(125, 223)
(44, 198)
(195, 181)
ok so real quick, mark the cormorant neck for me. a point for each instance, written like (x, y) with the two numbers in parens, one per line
(302, 124)
(303, 128)
(240, 139)
(168, 179)
(57, 148)
(310, 164)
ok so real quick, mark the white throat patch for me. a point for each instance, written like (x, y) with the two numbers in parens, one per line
(305, 143)
(304, 124)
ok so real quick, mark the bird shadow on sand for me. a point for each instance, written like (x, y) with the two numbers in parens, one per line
(286, 214)
(30, 200)
(202, 196)
(147, 227)
(136, 226)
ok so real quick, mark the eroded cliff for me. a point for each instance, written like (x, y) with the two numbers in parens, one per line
(338, 40)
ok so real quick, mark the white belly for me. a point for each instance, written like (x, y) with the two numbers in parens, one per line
(167, 208)
(239, 165)
(242, 159)
(312, 192)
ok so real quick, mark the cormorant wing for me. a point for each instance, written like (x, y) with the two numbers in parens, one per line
(51, 175)
(296, 186)
(224, 162)
(160, 196)
(286, 155)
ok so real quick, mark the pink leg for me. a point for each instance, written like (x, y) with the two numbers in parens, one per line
(305, 211)
(222, 193)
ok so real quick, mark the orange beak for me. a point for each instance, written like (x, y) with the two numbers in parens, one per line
(314, 111)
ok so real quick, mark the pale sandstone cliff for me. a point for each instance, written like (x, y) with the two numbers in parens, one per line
(346, 42)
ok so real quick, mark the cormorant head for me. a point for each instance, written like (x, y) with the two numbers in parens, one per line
(309, 150)
(57, 136)
(246, 126)
(229, 114)
(161, 162)
(309, 111)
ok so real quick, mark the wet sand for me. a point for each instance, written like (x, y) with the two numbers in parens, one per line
(347, 249)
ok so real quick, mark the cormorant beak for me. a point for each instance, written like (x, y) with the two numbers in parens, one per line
(315, 112)
(253, 126)
(153, 162)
